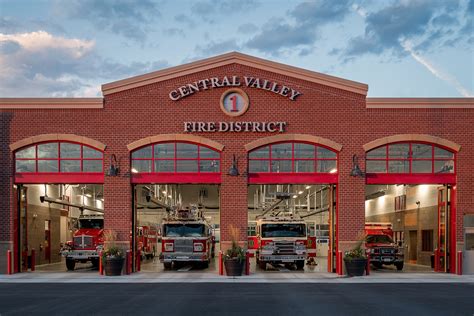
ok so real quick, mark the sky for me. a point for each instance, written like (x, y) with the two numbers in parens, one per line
(69, 48)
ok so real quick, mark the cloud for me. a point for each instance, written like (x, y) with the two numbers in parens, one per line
(127, 18)
(428, 23)
(215, 48)
(301, 32)
(210, 9)
(184, 19)
(58, 66)
(408, 46)
(247, 28)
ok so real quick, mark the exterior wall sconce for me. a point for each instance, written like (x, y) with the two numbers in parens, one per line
(356, 172)
(114, 169)
(233, 170)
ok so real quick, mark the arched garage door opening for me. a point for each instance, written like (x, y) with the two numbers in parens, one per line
(176, 206)
(292, 206)
(59, 205)
(410, 206)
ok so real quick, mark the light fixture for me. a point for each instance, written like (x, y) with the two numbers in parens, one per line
(233, 171)
(114, 169)
(334, 170)
(164, 192)
(88, 195)
(356, 172)
(300, 192)
(308, 187)
(295, 196)
(134, 170)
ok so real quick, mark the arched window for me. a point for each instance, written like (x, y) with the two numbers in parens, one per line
(295, 161)
(407, 160)
(176, 162)
(55, 161)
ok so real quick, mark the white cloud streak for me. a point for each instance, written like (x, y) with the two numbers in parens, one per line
(448, 78)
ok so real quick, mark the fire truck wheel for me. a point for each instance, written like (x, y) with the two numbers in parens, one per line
(399, 266)
(70, 264)
(300, 264)
(167, 265)
(262, 265)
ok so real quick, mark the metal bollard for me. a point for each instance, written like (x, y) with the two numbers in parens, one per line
(24, 255)
(139, 261)
(367, 266)
(221, 268)
(459, 270)
(129, 262)
(436, 260)
(101, 264)
(9, 262)
(33, 259)
(247, 263)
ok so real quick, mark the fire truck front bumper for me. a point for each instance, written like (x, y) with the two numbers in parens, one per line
(183, 256)
(281, 258)
(81, 254)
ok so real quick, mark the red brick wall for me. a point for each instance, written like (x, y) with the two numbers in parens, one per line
(334, 114)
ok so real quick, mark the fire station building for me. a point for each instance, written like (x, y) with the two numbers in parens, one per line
(227, 134)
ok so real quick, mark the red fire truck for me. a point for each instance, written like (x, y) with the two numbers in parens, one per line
(381, 247)
(87, 242)
(147, 241)
(186, 238)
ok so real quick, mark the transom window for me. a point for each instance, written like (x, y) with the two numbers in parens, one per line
(59, 157)
(293, 157)
(176, 157)
(410, 158)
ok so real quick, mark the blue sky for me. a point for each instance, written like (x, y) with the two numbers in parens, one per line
(406, 48)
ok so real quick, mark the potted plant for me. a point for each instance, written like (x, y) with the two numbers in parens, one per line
(355, 260)
(234, 257)
(112, 255)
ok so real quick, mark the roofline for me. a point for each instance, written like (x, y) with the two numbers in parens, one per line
(420, 103)
(51, 103)
(229, 58)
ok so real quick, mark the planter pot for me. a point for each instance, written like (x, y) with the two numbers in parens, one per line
(113, 266)
(233, 267)
(356, 266)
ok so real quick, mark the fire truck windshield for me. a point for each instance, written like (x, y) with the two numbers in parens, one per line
(283, 230)
(379, 239)
(184, 230)
(91, 223)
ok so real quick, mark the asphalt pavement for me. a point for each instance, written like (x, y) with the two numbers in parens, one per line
(237, 299)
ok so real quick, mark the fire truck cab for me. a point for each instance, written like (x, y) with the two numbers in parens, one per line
(88, 241)
(381, 247)
(187, 237)
(281, 239)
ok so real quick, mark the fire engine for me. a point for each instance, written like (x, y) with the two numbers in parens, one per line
(147, 240)
(186, 238)
(87, 241)
(381, 247)
(282, 237)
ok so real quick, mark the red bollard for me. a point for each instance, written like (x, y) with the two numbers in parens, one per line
(129, 262)
(367, 266)
(247, 263)
(459, 270)
(330, 267)
(221, 268)
(33, 259)
(101, 264)
(139, 261)
(9, 262)
(339, 262)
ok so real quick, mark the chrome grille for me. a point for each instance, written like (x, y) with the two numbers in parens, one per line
(387, 251)
(82, 242)
(183, 245)
(285, 247)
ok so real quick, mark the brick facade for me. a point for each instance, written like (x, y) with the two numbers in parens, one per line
(325, 111)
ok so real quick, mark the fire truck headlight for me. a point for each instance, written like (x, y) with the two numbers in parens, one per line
(198, 246)
(169, 246)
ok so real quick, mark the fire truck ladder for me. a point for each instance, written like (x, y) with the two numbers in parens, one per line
(67, 203)
(280, 197)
